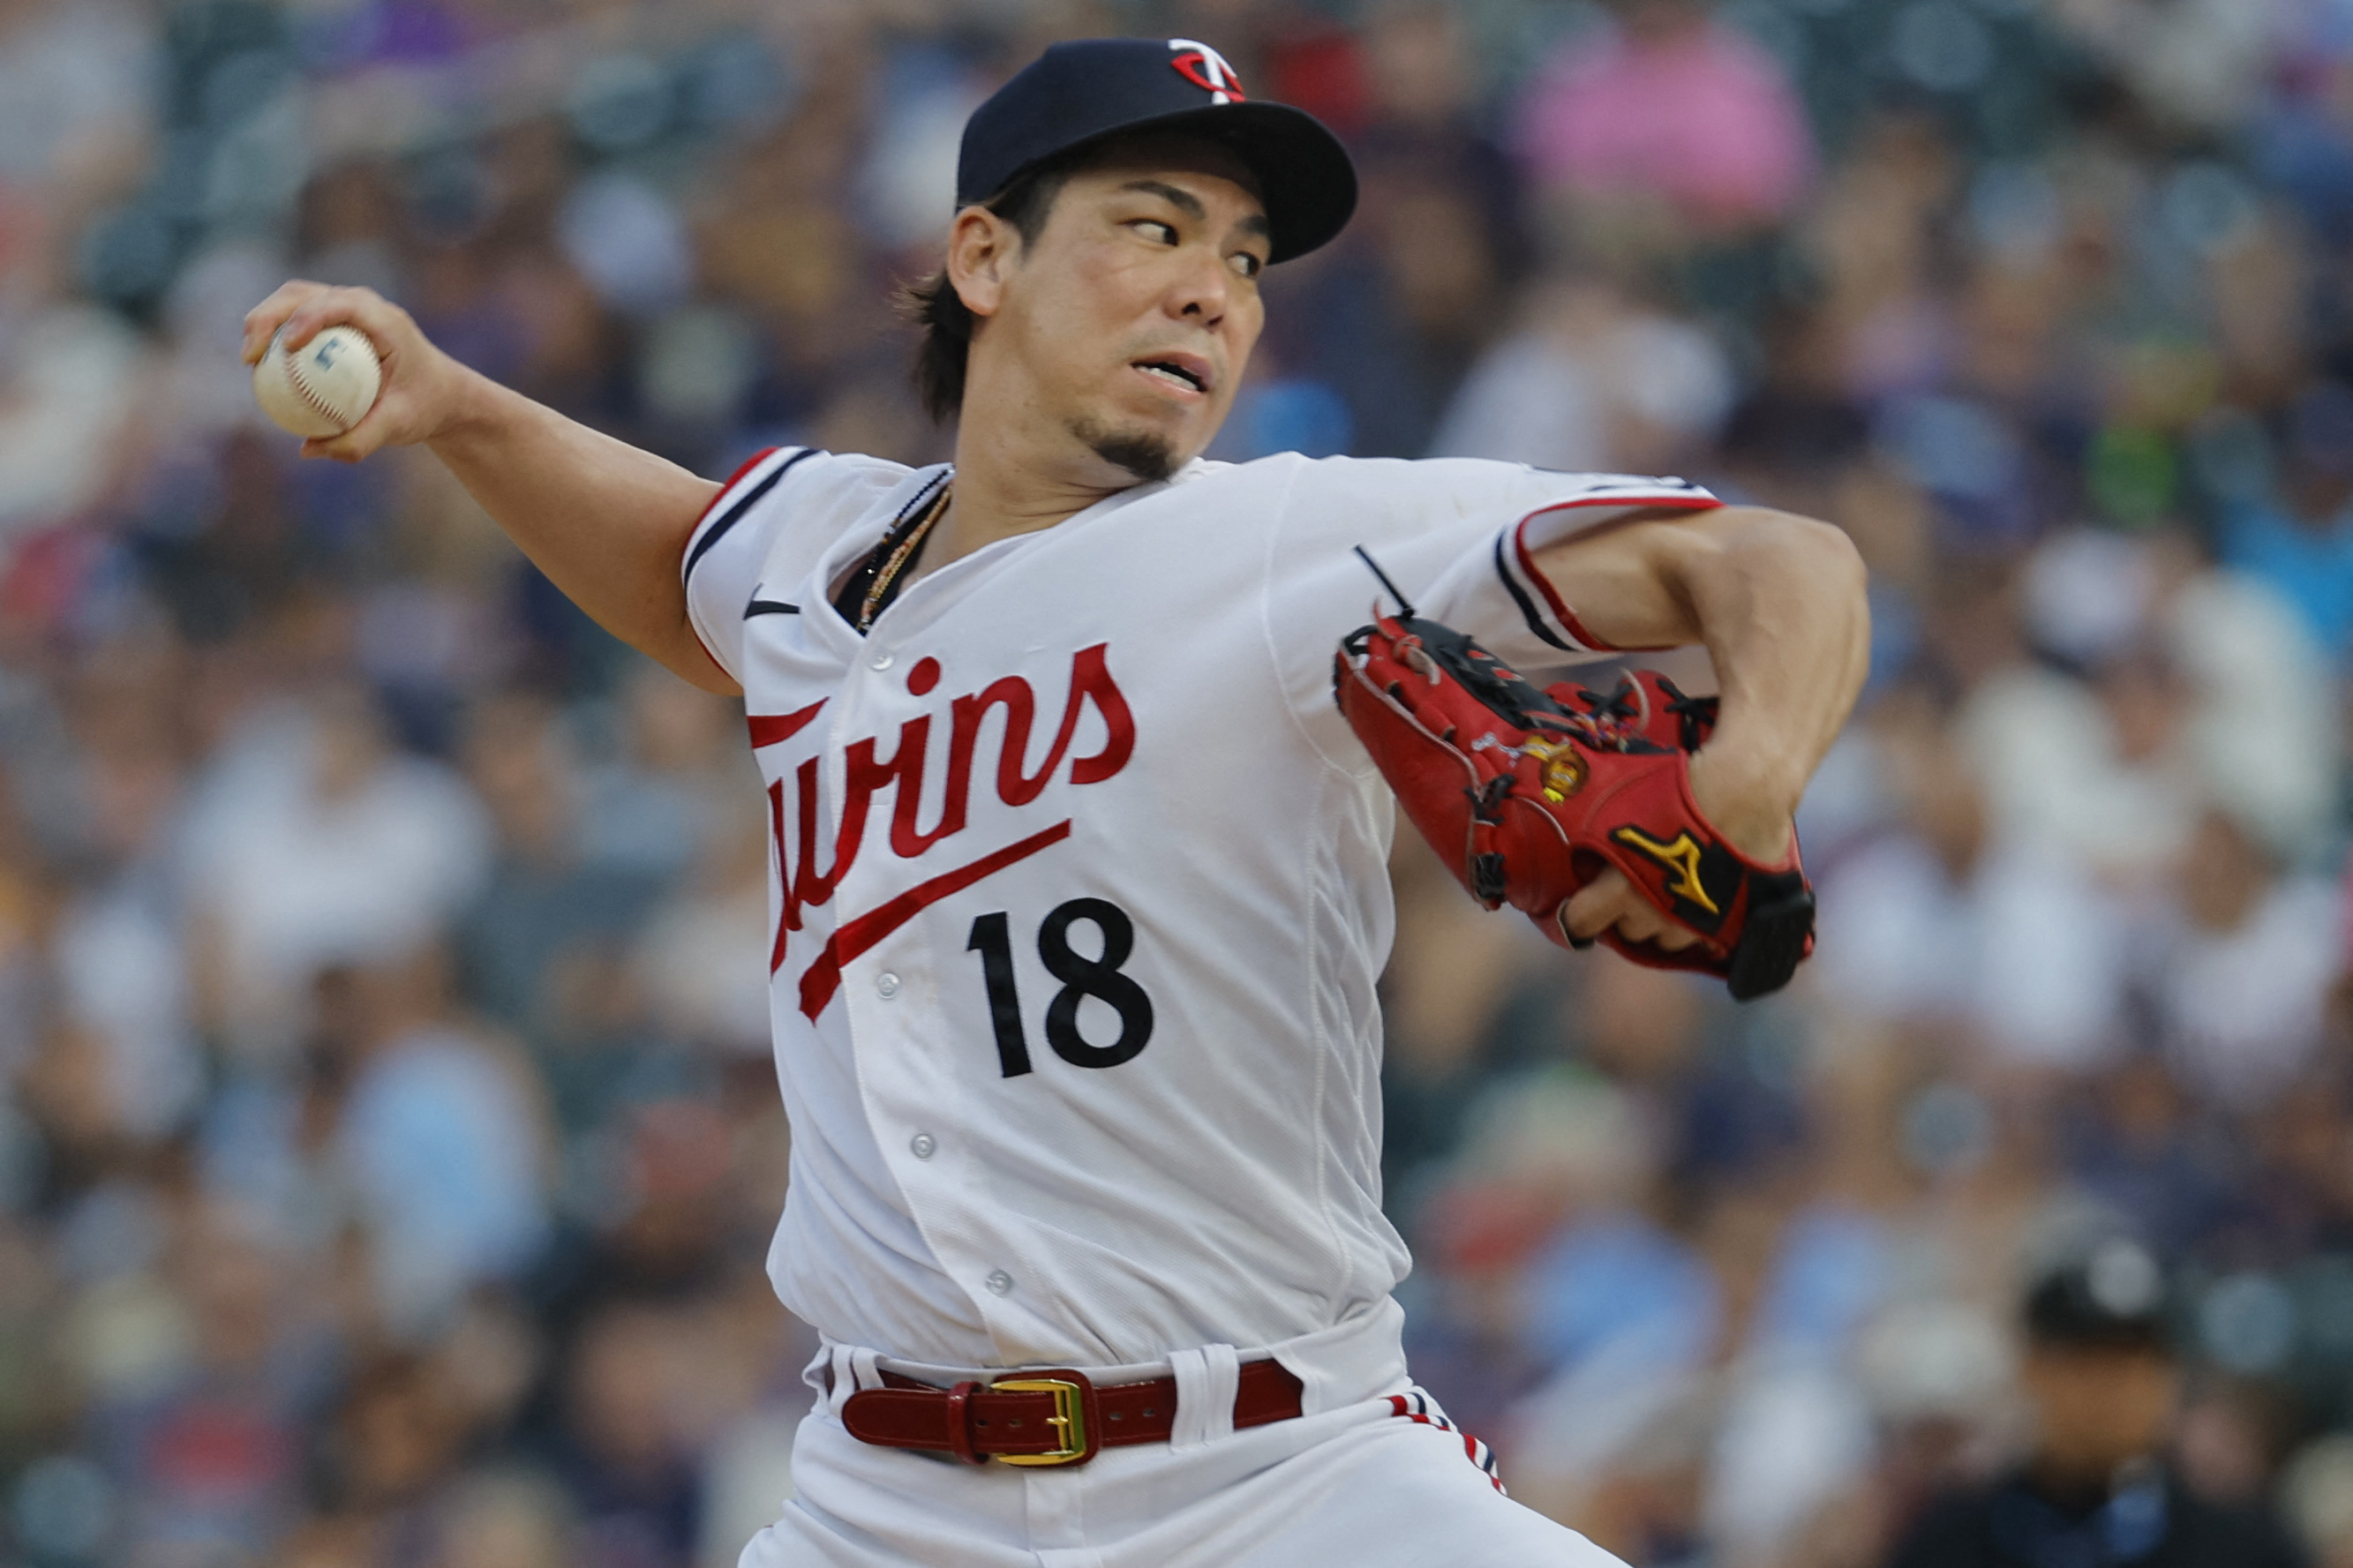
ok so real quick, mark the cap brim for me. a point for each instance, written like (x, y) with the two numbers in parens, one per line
(1305, 175)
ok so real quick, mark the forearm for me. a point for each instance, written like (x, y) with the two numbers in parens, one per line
(607, 522)
(1780, 605)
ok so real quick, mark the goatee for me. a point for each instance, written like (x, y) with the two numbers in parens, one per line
(1148, 456)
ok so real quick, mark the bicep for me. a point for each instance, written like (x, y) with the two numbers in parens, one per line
(1627, 578)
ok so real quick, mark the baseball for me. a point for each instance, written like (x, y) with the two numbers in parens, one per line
(322, 389)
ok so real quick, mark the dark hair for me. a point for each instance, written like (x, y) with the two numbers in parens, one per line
(935, 306)
(2112, 1296)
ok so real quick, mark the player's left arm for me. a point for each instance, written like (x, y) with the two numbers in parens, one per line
(1777, 600)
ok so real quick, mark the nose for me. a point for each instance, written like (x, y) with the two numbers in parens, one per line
(1202, 289)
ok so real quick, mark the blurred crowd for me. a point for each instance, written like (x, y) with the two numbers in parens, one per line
(388, 1139)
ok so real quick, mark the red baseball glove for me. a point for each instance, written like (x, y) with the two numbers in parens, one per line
(1527, 795)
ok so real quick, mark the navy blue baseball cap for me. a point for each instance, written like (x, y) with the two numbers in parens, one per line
(2110, 1294)
(1079, 92)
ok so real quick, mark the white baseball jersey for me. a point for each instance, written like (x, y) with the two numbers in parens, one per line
(1081, 888)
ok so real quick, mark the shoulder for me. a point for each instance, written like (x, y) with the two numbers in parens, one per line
(1466, 485)
(1206, 476)
(1458, 535)
(772, 523)
(1468, 498)
(806, 490)
(1391, 477)
(1485, 482)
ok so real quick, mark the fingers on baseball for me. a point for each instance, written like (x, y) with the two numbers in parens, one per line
(302, 310)
(358, 442)
(359, 308)
(1610, 900)
(261, 323)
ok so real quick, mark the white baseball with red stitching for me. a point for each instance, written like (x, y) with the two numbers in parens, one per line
(324, 388)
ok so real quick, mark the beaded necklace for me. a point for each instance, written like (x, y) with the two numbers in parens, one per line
(892, 556)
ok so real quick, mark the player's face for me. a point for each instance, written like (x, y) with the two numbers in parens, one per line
(1134, 313)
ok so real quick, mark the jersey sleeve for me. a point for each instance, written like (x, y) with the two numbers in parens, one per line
(1496, 591)
(759, 535)
(1458, 537)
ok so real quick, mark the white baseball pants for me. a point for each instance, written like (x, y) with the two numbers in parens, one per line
(1376, 1480)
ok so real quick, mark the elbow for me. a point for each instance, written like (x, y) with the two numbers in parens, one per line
(1840, 563)
(1816, 552)
(1837, 582)
(1829, 556)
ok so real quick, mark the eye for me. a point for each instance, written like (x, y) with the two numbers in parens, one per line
(1161, 233)
(1248, 263)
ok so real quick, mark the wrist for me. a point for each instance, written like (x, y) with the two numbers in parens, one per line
(1748, 795)
(468, 402)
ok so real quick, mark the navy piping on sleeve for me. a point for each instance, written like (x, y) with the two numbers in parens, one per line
(1527, 605)
(770, 607)
(734, 513)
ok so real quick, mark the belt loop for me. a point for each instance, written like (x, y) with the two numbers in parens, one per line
(840, 1382)
(960, 1423)
(854, 1367)
(1207, 1379)
(819, 1375)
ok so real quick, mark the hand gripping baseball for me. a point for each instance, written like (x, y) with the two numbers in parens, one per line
(1528, 795)
(422, 385)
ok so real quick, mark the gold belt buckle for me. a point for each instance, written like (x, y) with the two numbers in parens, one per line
(1070, 1418)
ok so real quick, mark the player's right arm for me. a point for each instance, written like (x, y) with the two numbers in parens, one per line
(606, 521)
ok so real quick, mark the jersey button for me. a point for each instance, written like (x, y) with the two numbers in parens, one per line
(887, 984)
(1000, 1283)
(923, 1144)
(880, 661)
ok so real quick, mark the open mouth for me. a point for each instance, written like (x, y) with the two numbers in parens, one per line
(1182, 373)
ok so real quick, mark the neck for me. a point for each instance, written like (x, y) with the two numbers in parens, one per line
(1015, 475)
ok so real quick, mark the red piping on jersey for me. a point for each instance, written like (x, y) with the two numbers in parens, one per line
(706, 649)
(824, 977)
(754, 461)
(1560, 611)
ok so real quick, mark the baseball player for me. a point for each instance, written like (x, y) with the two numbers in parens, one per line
(1079, 872)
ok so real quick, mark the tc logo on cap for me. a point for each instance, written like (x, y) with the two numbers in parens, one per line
(1206, 69)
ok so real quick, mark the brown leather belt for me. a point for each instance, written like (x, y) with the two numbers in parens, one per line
(1050, 1417)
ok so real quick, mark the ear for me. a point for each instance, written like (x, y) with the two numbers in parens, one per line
(981, 249)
